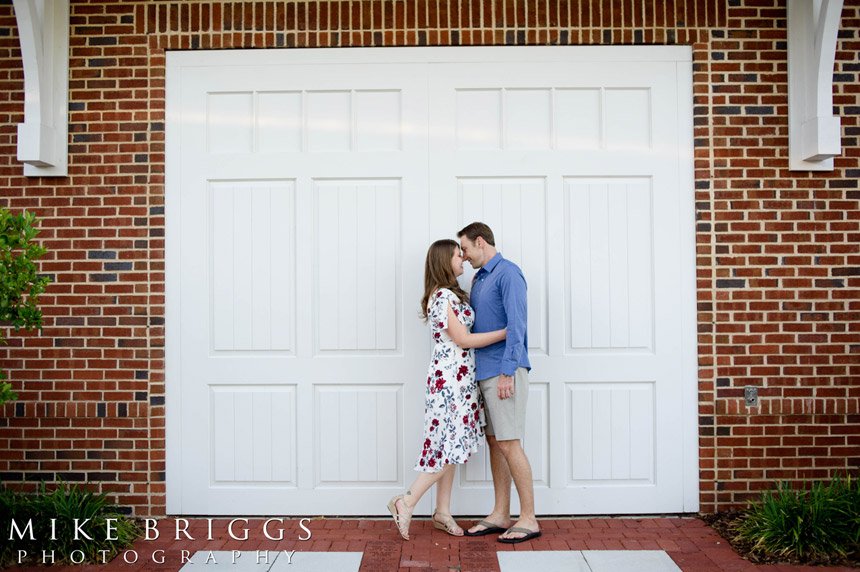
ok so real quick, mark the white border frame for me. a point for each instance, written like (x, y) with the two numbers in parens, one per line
(172, 286)
(176, 62)
(689, 294)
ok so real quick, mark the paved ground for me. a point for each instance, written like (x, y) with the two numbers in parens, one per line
(689, 542)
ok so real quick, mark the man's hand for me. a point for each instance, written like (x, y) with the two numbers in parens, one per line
(506, 386)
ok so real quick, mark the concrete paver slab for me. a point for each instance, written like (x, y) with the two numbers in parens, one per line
(318, 562)
(277, 561)
(629, 560)
(543, 560)
(238, 561)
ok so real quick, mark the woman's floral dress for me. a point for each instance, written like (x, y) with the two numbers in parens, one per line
(453, 409)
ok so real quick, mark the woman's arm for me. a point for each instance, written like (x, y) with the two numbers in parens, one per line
(465, 339)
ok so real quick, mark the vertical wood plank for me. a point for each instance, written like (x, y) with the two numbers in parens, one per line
(327, 242)
(639, 247)
(328, 426)
(282, 254)
(347, 262)
(243, 278)
(348, 401)
(224, 435)
(533, 222)
(580, 438)
(601, 437)
(388, 429)
(366, 280)
(599, 242)
(283, 441)
(579, 227)
(261, 431)
(618, 263)
(620, 431)
(387, 259)
(642, 433)
(222, 266)
(261, 267)
(244, 454)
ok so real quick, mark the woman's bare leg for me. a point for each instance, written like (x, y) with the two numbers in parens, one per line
(406, 504)
(422, 484)
(443, 499)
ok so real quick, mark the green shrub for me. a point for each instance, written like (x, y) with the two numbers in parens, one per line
(20, 283)
(6, 393)
(65, 503)
(818, 524)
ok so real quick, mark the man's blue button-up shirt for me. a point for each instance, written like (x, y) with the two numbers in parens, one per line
(499, 299)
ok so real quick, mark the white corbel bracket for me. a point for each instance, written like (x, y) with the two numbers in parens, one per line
(43, 29)
(813, 131)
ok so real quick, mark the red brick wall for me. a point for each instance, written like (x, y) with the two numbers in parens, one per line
(778, 286)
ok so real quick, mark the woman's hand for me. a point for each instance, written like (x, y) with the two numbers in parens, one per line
(465, 339)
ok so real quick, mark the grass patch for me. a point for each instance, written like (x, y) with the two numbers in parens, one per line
(109, 531)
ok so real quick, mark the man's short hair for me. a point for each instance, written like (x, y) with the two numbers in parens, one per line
(476, 229)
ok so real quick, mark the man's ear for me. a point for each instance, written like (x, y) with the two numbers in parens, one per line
(480, 242)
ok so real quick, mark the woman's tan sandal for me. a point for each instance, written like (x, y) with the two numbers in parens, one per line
(447, 523)
(401, 520)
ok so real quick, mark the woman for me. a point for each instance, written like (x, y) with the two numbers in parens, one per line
(453, 411)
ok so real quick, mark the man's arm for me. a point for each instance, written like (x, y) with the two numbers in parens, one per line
(513, 289)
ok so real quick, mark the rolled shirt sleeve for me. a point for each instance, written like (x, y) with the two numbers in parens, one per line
(513, 290)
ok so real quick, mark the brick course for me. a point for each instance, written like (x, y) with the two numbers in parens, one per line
(778, 269)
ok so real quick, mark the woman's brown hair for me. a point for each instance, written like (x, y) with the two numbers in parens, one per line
(438, 272)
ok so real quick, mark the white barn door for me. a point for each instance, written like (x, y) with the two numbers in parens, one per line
(302, 192)
(579, 169)
(303, 187)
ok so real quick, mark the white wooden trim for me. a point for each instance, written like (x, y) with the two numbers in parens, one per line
(43, 29)
(814, 133)
(689, 349)
(173, 321)
(507, 54)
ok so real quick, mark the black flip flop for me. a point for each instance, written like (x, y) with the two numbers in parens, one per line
(490, 529)
(529, 535)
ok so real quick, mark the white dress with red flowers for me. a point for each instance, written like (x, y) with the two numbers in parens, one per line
(453, 408)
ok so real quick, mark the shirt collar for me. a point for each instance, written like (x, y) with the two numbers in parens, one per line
(492, 263)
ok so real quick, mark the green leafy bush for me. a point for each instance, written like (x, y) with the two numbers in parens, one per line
(20, 283)
(65, 503)
(818, 524)
(6, 392)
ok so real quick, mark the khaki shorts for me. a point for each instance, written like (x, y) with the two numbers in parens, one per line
(506, 418)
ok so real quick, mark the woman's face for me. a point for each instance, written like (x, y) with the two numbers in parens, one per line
(457, 262)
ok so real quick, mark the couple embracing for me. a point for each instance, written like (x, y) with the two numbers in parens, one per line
(478, 376)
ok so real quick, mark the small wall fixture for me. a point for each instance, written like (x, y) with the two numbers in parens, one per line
(814, 133)
(43, 29)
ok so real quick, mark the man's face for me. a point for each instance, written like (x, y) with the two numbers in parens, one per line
(472, 251)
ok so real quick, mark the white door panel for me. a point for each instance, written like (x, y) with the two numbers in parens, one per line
(303, 187)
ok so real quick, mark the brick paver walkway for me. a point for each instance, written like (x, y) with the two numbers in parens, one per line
(693, 545)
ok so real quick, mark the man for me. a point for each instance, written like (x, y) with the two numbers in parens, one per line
(499, 299)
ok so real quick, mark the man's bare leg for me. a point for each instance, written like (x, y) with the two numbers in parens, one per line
(501, 514)
(519, 468)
